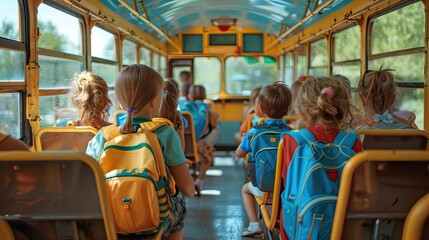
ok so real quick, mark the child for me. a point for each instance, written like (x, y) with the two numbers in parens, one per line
(138, 89)
(206, 129)
(323, 108)
(90, 97)
(377, 92)
(274, 101)
(169, 98)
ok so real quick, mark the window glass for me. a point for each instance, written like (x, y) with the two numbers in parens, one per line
(350, 71)
(318, 71)
(319, 53)
(10, 114)
(128, 52)
(347, 44)
(9, 20)
(59, 31)
(207, 72)
(163, 64)
(245, 73)
(12, 65)
(408, 68)
(412, 99)
(103, 44)
(401, 29)
(106, 71)
(300, 60)
(155, 61)
(57, 72)
(288, 71)
(56, 108)
(144, 56)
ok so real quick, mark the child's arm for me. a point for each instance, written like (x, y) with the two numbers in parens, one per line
(240, 152)
(183, 179)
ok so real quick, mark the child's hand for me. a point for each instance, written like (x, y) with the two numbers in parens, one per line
(189, 162)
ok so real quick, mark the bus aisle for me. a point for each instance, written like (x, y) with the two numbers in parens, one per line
(218, 213)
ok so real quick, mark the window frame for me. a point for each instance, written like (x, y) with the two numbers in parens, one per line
(370, 57)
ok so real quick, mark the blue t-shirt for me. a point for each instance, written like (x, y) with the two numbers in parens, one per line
(245, 144)
(167, 136)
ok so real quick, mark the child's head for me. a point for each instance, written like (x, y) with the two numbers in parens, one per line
(274, 100)
(254, 94)
(169, 98)
(138, 90)
(197, 92)
(90, 96)
(297, 85)
(377, 90)
(345, 80)
(323, 101)
(185, 77)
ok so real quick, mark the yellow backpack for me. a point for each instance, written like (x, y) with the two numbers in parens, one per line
(137, 182)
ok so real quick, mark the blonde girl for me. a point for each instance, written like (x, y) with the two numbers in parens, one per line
(377, 93)
(169, 101)
(138, 90)
(89, 94)
(323, 108)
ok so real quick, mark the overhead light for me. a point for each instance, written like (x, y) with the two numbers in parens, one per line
(224, 23)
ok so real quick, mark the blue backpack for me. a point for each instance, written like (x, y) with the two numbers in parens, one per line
(263, 158)
(312, 184)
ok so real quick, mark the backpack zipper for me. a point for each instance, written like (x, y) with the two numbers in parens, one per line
(314, 202)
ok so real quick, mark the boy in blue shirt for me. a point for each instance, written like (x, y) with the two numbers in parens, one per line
(273, 102)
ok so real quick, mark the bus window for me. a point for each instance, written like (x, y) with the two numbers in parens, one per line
(207, 72)
(300, 62)
(281, 68)
(346, 54)
(245, 73)
(288, 69)
(144, 56)
(59, 31)
(104, 60)
(103, 44)
(395, 45)
(61, 55)
(128, 52)
(163, 66)
(10, 114)
(319, 58)
(155, 61)
(9, 20)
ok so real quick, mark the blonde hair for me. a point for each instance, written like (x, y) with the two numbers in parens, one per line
(275, 100)
(135, 86)
(169, 99)
(379, 89)
(90, 95)
(324, 101)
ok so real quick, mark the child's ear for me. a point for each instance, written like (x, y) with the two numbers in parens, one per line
(261, 108)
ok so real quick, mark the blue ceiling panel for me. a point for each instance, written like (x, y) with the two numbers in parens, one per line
(181, 15)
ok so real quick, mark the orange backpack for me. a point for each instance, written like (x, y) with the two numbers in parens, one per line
(137, 181)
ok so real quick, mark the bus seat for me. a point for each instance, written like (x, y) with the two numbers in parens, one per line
(270, 211)
(64, 138)
(377, 190)
(191, 151)
(54, 195)
(5, 230)
(388, 139)
(417, 220)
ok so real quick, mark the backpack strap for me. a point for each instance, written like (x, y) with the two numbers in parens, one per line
(345, 139)
(302, 137)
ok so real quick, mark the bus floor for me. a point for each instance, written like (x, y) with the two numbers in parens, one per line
(218, 213)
